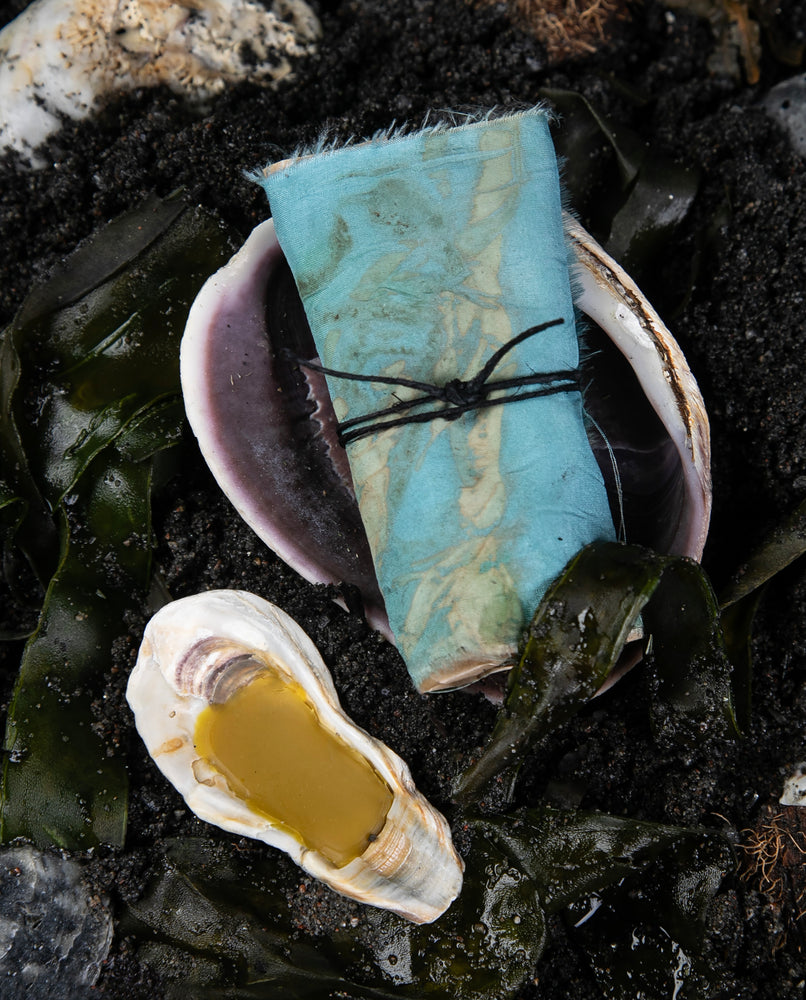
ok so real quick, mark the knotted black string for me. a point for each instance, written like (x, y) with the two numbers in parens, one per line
(459, 395)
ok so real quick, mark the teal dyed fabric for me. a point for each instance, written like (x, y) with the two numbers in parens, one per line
(418, 256)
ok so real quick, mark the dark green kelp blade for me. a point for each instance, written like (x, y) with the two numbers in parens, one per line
(489, 941)
(112, 354)
(646, 936)
(59, 785)
(741, 598)
(12, 511)
(630, 194)
(220, 923)
(688, 666)
(784, 544)
(636, 894)
(572, 853)
(659, 200)
(34, 531)
(103, 255)
(574, 641)
(97, 349)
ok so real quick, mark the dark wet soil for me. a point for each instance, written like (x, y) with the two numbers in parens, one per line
(731, 283)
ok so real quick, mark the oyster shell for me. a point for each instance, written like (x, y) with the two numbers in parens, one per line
(204, 650)
(267, 430)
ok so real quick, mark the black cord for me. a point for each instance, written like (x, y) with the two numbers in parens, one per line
(460, 396)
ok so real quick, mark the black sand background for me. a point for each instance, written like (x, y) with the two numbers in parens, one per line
(741, 326)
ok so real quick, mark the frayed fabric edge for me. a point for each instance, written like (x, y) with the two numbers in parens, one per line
(433, 123)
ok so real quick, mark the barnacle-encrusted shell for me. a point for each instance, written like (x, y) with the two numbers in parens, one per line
(200, 650)
(64, 57)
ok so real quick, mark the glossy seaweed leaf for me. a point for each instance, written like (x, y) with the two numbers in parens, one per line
(736, 622)
(221, 929)
(691, 675)
(112, 343)
(659, 200)
(577, 635)
(12, 513)
(59, 786)
(489, 941)
(740, 600)
(644, 937)
(39, 542)
(637, 894)
(571, 854)
(89, 398)
(582, 125)
(218, 923)
(785, 543)
(105, 254)
(223, 923)
(574, 641)
(632, 195)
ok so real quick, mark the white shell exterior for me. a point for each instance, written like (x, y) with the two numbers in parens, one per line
(203, 648)
(63, 57)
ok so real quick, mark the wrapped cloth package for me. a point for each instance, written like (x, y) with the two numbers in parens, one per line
(435, 277)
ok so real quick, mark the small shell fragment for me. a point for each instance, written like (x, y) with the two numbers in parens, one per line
(217, 678)
(794, 793)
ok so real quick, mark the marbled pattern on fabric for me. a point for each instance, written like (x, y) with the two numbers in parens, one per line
(418, 256)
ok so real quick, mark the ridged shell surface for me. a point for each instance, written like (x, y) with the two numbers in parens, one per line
(200, 650)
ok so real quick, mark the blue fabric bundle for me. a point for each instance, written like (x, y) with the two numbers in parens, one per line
(417, 257)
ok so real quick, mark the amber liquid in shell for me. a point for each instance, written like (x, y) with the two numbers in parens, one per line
(268, 742)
